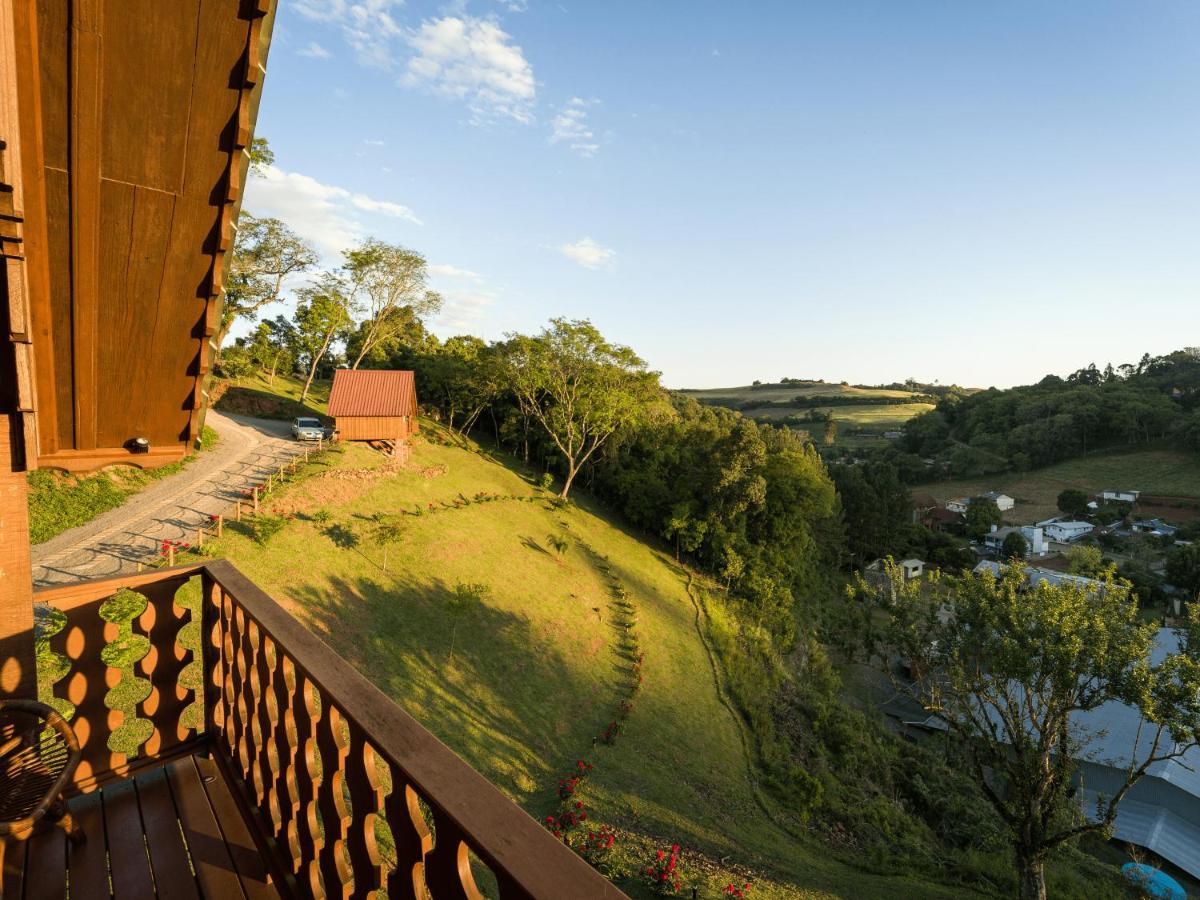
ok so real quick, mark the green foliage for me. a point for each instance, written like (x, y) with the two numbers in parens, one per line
(1014, 546)
(1084, 560)
(321, 517)
(1183, 568)
(1074, 502)
(558, 542)
(265, 526)
(1008, 666)
(877, 509)
(982, 515)
(546, 481)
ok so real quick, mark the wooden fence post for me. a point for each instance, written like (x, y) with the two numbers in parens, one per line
(171, 554)
(255, 490)
(220, 524)
(200, 538)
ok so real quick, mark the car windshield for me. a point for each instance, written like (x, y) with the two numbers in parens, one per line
(308, 423)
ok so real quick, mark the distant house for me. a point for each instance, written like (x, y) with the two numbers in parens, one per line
(373, 404)
(1110, 495)
(1065, 532)
(876, 572)
(1003, 502)
(1035, 539)
(893, 435)
(958, 504)
(1156, 527)
(1035, 576)
(941, 519)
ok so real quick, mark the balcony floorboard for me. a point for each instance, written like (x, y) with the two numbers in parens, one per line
(172, 831)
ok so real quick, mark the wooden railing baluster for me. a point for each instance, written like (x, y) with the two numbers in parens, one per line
(412, 838)
(162, 666)
(331, 801)
(284, 685)
(448, 865)
(308, 835)
(366, 799)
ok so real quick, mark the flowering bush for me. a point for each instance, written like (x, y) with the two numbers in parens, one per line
(663, 873)
(564, 824)
(597, 846)
(739, 892)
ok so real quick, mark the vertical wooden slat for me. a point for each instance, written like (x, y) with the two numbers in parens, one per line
(211, 656)
(239, 715)
(87, 84)
(89, 858)
(265, 722)
(308, 836)
(162, 666)
(331, 801)
(366, 799)
(283, 682)
(164, 840)
(448, 866)
(127, 847)
(411, 837)
(85, 685)
(18, 669)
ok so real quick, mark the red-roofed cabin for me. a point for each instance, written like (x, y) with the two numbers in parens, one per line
(373, 404)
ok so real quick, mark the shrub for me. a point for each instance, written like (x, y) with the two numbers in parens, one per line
(264, 527)
(546, 481)
(662, 875)
(558, 542)
(322, 517)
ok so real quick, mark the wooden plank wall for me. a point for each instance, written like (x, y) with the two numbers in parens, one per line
(146, 112)
(373, 428)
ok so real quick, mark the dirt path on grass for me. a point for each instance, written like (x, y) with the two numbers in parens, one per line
(172, 508)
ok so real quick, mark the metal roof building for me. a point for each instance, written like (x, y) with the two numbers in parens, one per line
(373, 404)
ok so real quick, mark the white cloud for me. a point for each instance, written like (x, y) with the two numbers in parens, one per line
(514, 5)
(372, 142)
(326, 215)
(571, 127)
(445, 270)
(588, 253)
(367, 25)
(314, 51)
(462, 309)
(473, 60)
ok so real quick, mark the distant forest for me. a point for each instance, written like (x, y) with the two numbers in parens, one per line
(1058, 418)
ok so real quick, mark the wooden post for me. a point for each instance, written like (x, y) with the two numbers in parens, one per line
(171, 554)
(221, 523)
(306, 454)
(237, 512)
(200, 538)
(18, 668)
(255, 491)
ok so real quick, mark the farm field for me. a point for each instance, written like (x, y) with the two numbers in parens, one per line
(536, 671)
(1157, 471)
(788, 391)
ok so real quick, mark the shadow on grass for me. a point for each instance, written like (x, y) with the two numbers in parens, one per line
(501, 700)
(245, 401)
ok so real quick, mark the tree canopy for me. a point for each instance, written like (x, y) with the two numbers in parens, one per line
(1013, 669)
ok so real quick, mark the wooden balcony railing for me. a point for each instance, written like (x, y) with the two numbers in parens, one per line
(348, 793)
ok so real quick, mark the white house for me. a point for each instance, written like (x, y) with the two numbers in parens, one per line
(1035, 539)
(1003, 502)
(1066, 532)
(1113, 496)
(912, 568)
(958, 504)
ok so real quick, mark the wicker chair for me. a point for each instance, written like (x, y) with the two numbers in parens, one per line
(38, 755)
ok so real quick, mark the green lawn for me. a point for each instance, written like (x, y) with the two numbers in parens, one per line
(537, 673)
(256, 395)
(1157, 471)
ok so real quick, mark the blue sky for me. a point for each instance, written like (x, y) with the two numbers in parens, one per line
(969, 192)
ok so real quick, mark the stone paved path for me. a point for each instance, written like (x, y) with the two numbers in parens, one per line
(172, 508)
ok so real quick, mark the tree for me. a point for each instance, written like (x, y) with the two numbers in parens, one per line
(982, 515)
(322, 314)
(687, 530)
(387, 280)
(261, 155)
(580, 388)
(1183, 568)
(1015, 546)
(271, 346)
(387, 530)
(462, 600)
(1085, 561)
(830, 435)
(1073, 502)
(266, 252)
(1013, 670)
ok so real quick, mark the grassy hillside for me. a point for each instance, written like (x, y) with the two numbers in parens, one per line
(1160, 470)
(539, 668)
(278, 398)
(788, 391)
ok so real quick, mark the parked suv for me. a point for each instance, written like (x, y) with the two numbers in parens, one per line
(307, 429)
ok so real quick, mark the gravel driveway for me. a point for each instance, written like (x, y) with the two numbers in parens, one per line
(172, 508)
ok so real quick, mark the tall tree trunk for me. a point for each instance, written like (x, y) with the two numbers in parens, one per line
(571, 473)
(1032, 875)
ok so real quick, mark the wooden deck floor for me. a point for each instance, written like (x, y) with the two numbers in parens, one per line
(174, 831)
